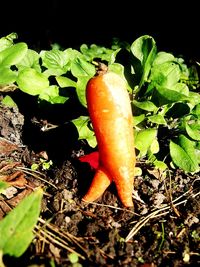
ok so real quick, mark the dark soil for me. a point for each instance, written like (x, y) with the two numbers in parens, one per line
(162, 229)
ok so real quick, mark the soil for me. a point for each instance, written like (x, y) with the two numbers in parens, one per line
(161, 230)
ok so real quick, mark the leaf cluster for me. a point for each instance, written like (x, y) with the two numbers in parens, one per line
(163, 91)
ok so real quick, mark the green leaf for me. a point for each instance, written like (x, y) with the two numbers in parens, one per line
(182, 88)
(7, 41)
(163, 96)
(17, 226)
(13, 55)
(65, 82)
(144, 49)
(194, 98)
(80, 67)
(7, 76)
(51, 95)
(183, 154)
(154, 147)
(193, 130)
(30, 60)
(144, 139)
(80, 89)
(160, 165)
(84, 131)
(55, 60)
(165, 75)
(158, 119)
(8, 101)
(32, 82)
(145, 105)
(163, 57)
(138, 119)
(196, 110)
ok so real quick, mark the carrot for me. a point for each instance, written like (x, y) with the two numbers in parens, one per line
(110, 112)
(99, 184)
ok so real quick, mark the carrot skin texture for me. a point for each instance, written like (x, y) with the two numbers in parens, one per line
(111, 116)
(99, 184)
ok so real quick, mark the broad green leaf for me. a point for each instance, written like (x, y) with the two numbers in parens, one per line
(16, 228)
(163, 57)
(30, 60)
(32, 82)
(55, 59)
(183, 154)
(7, 41)
(138, 119)
(157, 163)
(80, 89)
(163, 96)
(72, 54)
(144, 139)
(13, 54)
(196, 110)
(193, 131)
(84, 131)
(80, 67)
(54, 72)
(197, 150)
(181, 88)
(117, 68)
(92, 141)
(145, 105)
(7, 76)
(160, 165)
(194, 98)
(154, 147)
(158, 119)
(144, 49)
(165, 75)
(65, 82)
(8, 101)
(51, 95)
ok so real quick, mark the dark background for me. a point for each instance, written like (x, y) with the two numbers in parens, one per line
(173, 24)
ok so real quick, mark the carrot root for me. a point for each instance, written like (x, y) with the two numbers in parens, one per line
(99, 184)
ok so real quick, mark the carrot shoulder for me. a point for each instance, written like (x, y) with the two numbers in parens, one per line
(111, 116)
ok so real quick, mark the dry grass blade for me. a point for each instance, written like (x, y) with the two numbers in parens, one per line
(159, 212)
(50, 233)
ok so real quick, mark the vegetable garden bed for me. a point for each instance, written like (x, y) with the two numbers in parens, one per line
(49, 155)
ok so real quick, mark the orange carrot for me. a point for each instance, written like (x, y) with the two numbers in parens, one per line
(99, 184)
(110, 112)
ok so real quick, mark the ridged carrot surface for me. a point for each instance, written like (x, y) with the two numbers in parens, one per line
(110, 112)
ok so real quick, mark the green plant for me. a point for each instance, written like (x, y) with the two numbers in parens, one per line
(163, 89)
(16, 228)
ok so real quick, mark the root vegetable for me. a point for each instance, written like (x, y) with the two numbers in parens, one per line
(110, 112)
